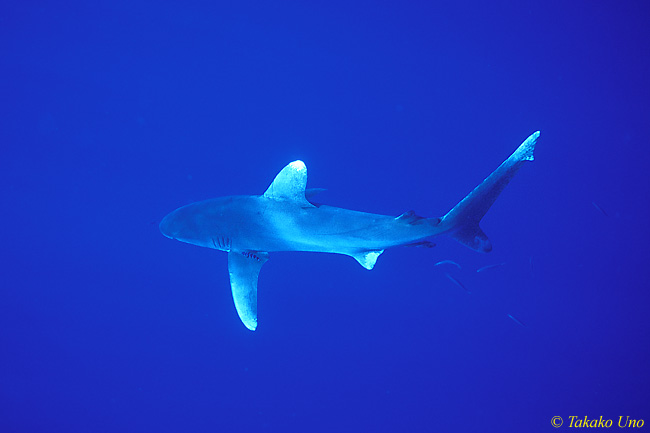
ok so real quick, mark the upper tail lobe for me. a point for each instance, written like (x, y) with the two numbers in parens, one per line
(462, 222)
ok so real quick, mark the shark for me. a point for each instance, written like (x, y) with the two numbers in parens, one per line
(285, 218)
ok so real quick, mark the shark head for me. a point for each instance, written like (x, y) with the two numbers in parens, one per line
(203, 223)
(175, 224)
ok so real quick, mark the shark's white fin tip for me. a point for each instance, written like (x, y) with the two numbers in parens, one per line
(298, 165)
(367, 259)
(244, 267)
(526, 149)
(462, 222)
(290, 184)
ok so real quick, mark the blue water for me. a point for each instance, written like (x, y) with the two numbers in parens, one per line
(114, 113)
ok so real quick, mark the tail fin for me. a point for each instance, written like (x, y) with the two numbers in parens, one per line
(462, 221)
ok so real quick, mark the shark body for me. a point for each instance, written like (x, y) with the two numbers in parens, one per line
(283, 219)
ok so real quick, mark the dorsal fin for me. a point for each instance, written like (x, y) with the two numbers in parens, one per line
(290, 184)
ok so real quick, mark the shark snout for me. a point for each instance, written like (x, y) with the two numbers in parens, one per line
(166, 226)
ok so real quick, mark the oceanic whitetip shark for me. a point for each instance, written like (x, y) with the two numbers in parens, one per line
(249, 227)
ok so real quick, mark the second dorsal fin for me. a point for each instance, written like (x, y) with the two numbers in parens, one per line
(409, 217)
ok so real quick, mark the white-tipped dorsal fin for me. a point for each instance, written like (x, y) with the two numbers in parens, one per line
(367, 259)
(290, 184)
(244, 267)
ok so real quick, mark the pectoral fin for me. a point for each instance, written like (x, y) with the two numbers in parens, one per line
(244, 268)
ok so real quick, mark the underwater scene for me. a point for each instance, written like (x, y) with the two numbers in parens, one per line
(308, 216)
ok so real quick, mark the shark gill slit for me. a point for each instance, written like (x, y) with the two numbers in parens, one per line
(221, 243)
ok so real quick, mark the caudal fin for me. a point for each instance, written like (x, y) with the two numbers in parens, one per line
(462, 222)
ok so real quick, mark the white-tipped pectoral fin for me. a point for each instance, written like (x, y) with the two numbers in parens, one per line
(244, 268)
(367, 259)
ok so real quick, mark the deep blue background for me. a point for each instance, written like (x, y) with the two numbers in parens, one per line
(114, 113)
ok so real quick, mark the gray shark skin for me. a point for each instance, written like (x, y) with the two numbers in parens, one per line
(283, 219)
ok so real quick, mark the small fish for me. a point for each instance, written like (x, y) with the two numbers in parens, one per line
(423, 244)
(458, 283)
(517, 321)
(600, 209)
(448, 262)
(485, 268)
